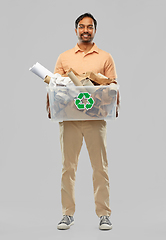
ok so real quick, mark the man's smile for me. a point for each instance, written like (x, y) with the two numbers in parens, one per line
(85, 34)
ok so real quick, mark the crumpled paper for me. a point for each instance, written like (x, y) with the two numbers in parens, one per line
(58, 80)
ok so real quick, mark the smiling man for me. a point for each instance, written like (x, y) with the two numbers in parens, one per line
(85, 31)
(84, 57)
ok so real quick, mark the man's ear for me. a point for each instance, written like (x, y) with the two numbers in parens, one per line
(76, 31)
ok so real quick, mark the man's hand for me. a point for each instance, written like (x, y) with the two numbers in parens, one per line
(118, 104)
(48, 106)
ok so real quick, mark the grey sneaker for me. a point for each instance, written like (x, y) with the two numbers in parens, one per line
(66, 222)
(105, 223)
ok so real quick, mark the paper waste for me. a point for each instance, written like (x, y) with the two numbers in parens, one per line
(74, 96)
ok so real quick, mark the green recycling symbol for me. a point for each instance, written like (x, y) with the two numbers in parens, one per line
(80, 105)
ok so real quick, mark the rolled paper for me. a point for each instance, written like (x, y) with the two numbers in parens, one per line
(47, 79)
(40, 71)
(74, 79)
(87, 82)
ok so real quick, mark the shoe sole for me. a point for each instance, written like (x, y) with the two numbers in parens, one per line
(105, 227)
(64, 226)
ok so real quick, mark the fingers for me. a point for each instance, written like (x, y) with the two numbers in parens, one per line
(48, 106)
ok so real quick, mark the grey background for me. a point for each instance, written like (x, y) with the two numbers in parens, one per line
(30, 158)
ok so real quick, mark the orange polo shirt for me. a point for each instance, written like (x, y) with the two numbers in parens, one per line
(96, 60)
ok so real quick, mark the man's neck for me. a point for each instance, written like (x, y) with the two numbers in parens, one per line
(86, 47)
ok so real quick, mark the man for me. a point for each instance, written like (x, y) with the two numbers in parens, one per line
(84, 57)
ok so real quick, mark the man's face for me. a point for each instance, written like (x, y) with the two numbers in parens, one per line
(85, 30)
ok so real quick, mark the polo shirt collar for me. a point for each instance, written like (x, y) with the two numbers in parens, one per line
(93, 49)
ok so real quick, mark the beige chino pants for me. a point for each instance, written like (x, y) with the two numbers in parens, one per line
(71, 139)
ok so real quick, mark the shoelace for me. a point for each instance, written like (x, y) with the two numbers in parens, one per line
(105, 219)
(64, 218)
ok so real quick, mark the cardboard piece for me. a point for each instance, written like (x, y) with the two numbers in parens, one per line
(96, 79)
(74, 79)
(47, 79)
(90, 77)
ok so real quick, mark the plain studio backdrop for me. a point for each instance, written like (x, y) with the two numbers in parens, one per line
(133, 32)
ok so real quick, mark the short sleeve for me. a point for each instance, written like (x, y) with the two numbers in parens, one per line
(110, 70)
(59, 67)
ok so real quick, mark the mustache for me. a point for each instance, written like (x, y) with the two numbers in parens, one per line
(86, 34)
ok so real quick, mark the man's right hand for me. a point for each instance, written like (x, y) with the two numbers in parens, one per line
(48, 106)
(118, 104)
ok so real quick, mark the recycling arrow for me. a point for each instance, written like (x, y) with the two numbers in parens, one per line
(80, 105)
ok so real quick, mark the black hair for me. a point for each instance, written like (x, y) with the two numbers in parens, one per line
(83, 16)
